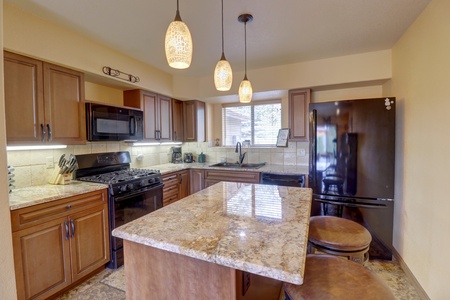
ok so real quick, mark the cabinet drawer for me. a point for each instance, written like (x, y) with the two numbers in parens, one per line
(234, 176)
(170, 197)
(30, 216)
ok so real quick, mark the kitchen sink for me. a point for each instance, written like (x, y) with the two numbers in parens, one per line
(238, 166)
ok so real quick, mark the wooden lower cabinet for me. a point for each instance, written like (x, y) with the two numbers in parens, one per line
(176, 186)
(58, 243)
(197, 180)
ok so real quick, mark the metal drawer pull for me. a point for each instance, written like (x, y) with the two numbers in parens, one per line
(72, 224)
(67, 230)
(69, 206)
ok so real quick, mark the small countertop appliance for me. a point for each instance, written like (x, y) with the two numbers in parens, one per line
(188, 158)
(176, 155)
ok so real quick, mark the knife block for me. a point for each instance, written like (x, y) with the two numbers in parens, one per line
(57, 178)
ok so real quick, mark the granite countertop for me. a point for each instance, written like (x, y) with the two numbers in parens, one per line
(261, 229)
(29, 196)
(277, 169)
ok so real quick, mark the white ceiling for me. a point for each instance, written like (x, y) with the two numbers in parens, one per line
(282, 31)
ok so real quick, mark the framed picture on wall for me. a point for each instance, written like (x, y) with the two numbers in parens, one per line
(282, 139)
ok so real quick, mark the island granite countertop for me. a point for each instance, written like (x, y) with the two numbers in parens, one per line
(261, 229)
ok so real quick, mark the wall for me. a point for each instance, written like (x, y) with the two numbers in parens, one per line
(365, 69)
(29, 35)
(7, 280)
(421, 83)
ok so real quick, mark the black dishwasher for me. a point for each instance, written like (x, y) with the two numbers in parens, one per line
(297, 180)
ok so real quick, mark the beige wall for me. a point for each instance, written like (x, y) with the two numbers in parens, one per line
(100, 93)
(7, 279)
(366, 68)
(421, 83)
(27, 34)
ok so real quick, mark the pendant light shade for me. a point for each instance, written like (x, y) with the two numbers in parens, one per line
(245, 89)
(178, 43)
(223, 75)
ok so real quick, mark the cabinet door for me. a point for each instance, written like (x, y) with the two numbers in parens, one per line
(184, 185)
(298, 115)
(42, 259)
(24, 102)
(177, 120)
(197, 180)
(194, 121)
(89, 240)
(65, 114)
(150, 108)
(165, 118)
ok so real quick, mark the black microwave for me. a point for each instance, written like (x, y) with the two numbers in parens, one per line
(113, 123)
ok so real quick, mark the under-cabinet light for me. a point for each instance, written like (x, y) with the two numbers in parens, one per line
(171, 143)
(146, 144)
(43, 147)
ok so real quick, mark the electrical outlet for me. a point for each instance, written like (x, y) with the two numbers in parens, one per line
(302, 152)
(49, 162)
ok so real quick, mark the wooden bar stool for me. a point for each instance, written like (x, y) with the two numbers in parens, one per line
(339, 236)
(330, 277)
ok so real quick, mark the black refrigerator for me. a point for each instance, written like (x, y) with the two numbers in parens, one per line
(352, 161)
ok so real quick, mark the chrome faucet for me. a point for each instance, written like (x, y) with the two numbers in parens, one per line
(239, 150)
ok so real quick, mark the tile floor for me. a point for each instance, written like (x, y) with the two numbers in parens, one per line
(111, 284)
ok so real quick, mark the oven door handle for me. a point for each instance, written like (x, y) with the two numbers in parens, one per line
(126, 196)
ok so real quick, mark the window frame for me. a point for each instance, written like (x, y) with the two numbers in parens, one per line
(252, 105)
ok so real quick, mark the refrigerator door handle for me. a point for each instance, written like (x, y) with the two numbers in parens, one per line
(313, 147)
(364, 205)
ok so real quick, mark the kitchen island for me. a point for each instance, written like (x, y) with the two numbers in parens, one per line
(199, 247)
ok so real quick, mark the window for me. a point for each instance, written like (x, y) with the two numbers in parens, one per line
(258, 123)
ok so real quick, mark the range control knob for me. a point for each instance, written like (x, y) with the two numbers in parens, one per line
(130, 186)
(123, 188)
(143, 182)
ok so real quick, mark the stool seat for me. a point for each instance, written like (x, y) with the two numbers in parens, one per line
(330, 277)
(339, 236)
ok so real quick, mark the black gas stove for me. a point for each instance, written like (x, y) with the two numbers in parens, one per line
(133, 193)
(126, 180)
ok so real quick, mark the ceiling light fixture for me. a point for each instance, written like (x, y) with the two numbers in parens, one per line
(223, 75)
(245, 89)
(178, 43)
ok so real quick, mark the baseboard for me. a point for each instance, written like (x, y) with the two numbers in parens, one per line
(422, 294)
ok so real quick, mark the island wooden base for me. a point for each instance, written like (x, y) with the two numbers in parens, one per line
(157, 274)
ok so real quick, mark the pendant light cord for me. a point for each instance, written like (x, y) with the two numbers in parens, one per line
(223, 51)
(245, 47)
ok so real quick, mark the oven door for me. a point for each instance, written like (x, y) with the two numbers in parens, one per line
(126, 208)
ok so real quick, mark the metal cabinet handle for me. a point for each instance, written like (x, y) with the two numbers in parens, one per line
(72, 224)
(42, 132)
(175, 135)
(49, 133)
(181, 178)
(67, 230)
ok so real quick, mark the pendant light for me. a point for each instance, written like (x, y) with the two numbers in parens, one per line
(223, 75)
(245, 89)
(178, 43)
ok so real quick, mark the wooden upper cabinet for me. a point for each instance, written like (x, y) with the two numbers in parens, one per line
(44, 103)
(177, 121)
(64, 104)
(298, 114)
(194, 121)
(24, 98)
(157, 113)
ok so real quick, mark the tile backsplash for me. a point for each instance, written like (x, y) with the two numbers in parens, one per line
(34, 167)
